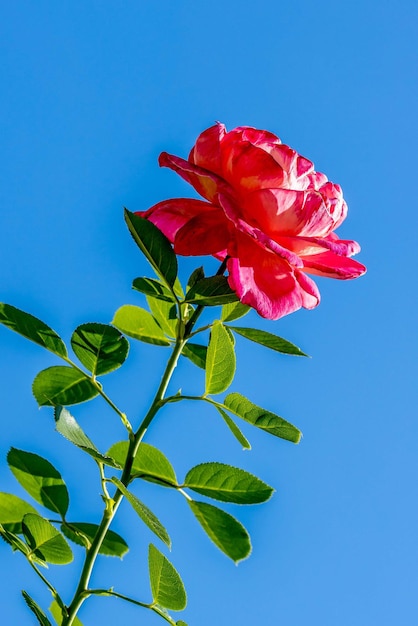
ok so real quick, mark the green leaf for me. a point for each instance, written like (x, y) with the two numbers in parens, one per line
(234, 429)
(225, 531)
(36, 610)
(30, 327)
(255, 415)
(165, 315)
(196, 353)
(56, 611)
(181, 623)
(67, 426)
(211, 292)
(220, 361)
(195, 276)
(100, 347)
(12, 510)
(234, 311)
(145, 514)
(40, 479)
(62, 385)
(268, 340)
(45, 541)
(227, 483)
(154, 245)
(166, 585)
(139, 324)
(153, 288)
(149, 463)
(83, 533)
(14, 541)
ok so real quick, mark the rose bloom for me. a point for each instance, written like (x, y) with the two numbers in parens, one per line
(266, 211)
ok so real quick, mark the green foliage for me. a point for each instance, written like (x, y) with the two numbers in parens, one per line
(235, 430)
(56, 611)
(166, 585)
(149, 463)
(153, 288)
(154, 245)
(225, 531)
(45, 541)
(268, 340)
(220, 360)
(145, 514)
(14, 541)
(234, 311)
(211, 292)
(100, 347)
(195, 276)
(227, 483)
(12, 511)
(139, 324)
(196, 354)
(67, 426)
(36, 610)
(62, 385)
(255, 415)
(165, 315)
(83, 533)
(32, 328)
(40, 479)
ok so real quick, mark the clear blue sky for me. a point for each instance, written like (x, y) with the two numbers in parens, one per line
(91, 93)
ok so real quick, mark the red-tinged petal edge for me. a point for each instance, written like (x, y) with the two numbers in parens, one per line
(333, 266)
(207, 233)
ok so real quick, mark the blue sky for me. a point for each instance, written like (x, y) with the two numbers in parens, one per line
(91, 93)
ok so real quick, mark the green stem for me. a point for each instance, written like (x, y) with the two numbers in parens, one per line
(51, 588)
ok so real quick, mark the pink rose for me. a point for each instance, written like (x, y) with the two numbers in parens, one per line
(266, 210)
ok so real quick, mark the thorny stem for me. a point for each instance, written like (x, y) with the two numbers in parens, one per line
(82, 592)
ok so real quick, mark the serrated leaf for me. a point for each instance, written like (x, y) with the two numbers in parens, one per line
(32, 328)
(268, 340)
(211, 292)
(149, 463)
(271, 423)
(139, 324)
(195, 276)
(234, 311)
(12, 511)
(165, 314)
(235, 430)
(67, 426)
(227, 483)
(62, 385)
(144, 513)
(166, 585)
(83, 533)
(100, 347)
(220, 360)
(40, 479)
(45, 541)
(154, 245)
(36, 610)
(56, 612)
(224, 530)
(153, 288)
(196, 354)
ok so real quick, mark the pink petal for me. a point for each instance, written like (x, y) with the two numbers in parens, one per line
(207, 233)
(247, 167)
(206, 184)
(333, 266)
(232, 211)
(206, 152)
(306, 246)
(268, 283)
(171, 215)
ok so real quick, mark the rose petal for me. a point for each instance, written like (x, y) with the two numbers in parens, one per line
(207, 151)
(207, 233)
(268, 283)
(206, 184)
(306, 246)
(333, 266)
(171, 215)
